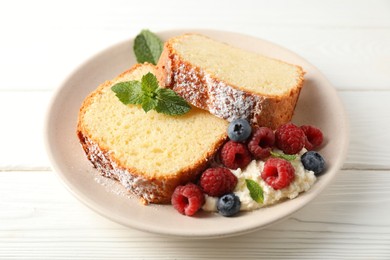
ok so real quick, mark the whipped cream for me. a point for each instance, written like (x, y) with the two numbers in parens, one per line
(303, 181)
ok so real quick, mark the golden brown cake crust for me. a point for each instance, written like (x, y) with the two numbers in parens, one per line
(148, 187)
(223, 99)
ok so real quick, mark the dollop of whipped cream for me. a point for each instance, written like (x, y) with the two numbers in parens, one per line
(303, 181)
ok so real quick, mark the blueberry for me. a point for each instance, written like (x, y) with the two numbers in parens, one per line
(313, 161)
(239, 130)
(228, 205)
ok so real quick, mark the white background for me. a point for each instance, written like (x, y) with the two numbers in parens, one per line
(42, 42)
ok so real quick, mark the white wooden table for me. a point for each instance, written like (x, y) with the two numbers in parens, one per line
(43, 41)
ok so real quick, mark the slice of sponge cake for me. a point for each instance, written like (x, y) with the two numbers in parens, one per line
(149, 153)
(230, 82)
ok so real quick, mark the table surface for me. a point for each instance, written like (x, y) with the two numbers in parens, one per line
(44, 41)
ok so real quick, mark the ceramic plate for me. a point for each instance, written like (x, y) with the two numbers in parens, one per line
(318, 105)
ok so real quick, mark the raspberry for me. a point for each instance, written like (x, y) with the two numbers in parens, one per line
(218, 181)
(290, 138)
(235, 155)
(314, 136)
(188, 199)
(261, 142)
(278, 173)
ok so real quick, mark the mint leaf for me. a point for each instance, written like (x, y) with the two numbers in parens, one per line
(149, 84)
(149, 95)
(128, 92)
(288, 157)
(255, 190)
(147, 47)
(148, 103)
(171, 103)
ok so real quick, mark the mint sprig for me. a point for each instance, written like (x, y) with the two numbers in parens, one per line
(255, 190)
(147, 47)
(288, 157)
(149, 95)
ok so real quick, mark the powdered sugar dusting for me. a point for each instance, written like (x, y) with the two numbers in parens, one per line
(148, 190)
(230, 103)
(202, 90)
(190, 83)
(117, 188)
(112, 186)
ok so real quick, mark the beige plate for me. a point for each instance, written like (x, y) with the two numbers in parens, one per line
(319, 105)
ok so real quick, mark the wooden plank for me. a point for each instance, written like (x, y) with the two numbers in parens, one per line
(22, 129)
(344, 40)
(350, 59)
(349, 220)
(368, 149)
(369, 122)
(116, 13)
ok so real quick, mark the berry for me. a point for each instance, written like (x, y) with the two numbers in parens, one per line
(188, 199)
(239, 130)
(217, 181)
(235, 155)
(314, 137)
(290, 138)
(229, 205)
(278, 173)
(313, 161)
(261, 142)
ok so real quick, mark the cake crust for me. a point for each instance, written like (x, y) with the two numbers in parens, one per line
(223, 99)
